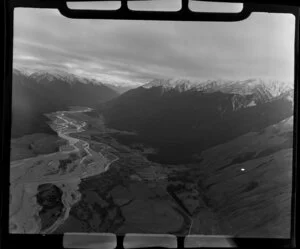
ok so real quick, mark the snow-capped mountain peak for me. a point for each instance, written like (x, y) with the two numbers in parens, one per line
(272, 88)
(251, 86)
(20, 71)
(39, 76)
(245, 93)
(178, 84)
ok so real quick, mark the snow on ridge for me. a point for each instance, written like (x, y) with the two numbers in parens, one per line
(172, 83)
(20, 71)
(63, 76)
(272, 88)
(56, 74)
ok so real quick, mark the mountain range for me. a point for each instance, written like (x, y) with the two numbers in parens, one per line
(180, 118)
(260, 90)
(43, 92)
(177, 117)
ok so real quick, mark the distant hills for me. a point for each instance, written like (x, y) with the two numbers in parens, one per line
(42, 92)
(180, 117)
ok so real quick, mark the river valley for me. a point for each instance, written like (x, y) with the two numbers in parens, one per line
(64, 169)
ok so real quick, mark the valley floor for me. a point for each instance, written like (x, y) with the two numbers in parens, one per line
(96, 184)
(42, 183)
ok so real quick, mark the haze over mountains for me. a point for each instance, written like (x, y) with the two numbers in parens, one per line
(183, 116)
(169, 115)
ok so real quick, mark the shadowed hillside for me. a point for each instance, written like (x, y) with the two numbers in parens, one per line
(41, 93)
(181, 123)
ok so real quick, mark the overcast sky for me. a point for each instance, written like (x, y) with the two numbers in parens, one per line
(134, 52)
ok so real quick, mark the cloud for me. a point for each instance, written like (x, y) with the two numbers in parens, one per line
(134, 52)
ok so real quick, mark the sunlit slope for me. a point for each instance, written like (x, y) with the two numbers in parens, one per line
(248, 182)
